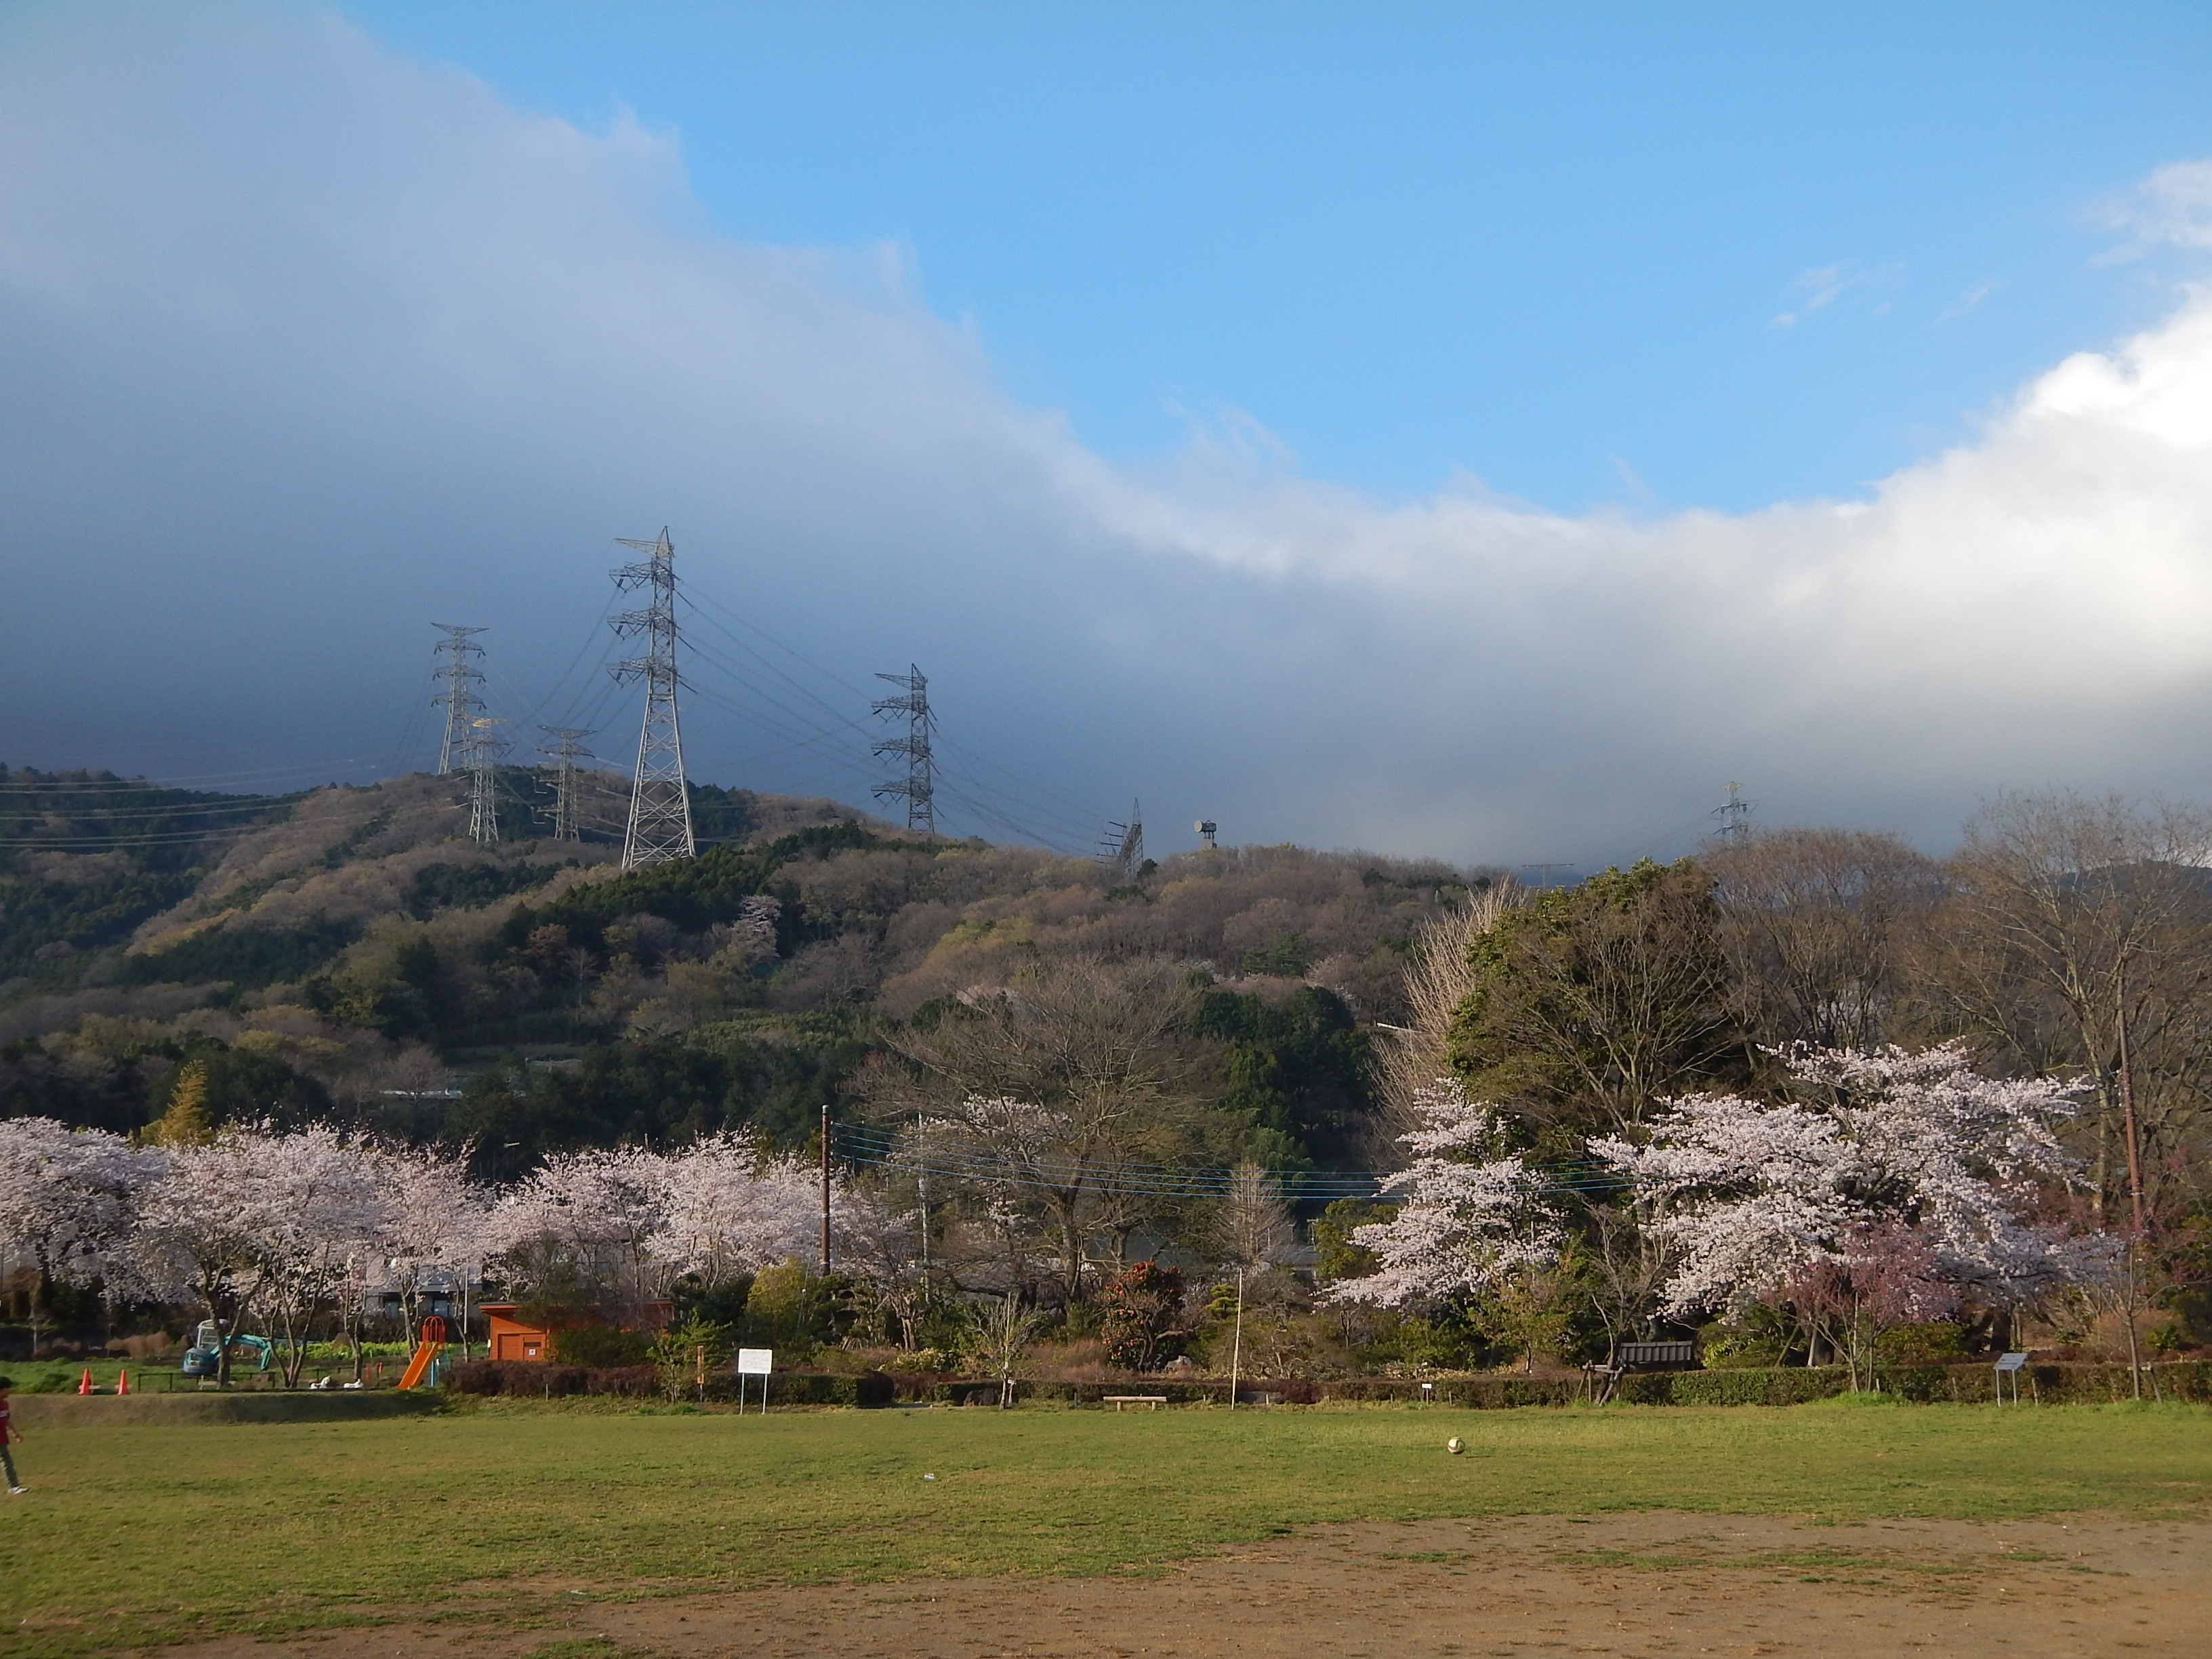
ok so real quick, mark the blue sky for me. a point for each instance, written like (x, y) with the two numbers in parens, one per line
(1474, 433)
(1542, 245)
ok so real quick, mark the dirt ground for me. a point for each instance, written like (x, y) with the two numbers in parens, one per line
(2077, 1588)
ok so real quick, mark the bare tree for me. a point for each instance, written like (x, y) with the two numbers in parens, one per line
(1439, 977)
(1062, 1093)
(2078, 941)
(1820, 926)
(1256, 1230)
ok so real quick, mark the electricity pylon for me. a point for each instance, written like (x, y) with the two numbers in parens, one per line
(1735, 815)
(660, 804)
(919, 787)
(460, 703)
(566, 750)
(1122, 848)
(485, 746)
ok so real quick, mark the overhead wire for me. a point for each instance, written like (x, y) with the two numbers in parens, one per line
(877, 1149)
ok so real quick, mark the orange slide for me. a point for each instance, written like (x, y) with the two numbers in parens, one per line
(426, 1352)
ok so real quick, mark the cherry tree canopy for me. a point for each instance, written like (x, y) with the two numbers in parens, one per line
(66, 1196)
(1750, 1195)
(1469, 1217)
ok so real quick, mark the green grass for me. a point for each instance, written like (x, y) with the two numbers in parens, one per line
(136, 1536)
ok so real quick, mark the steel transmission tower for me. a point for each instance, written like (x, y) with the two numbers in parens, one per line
(1734, 814)
(566, 750)
(919, 787)
(660, 804)
(1122, 848)
(485, 746)
(459, 701)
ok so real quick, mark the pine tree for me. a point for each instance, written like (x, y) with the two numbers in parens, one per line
(186, 1121)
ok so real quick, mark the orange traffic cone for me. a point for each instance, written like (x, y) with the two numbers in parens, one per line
(123, 1382)
(84, 1385)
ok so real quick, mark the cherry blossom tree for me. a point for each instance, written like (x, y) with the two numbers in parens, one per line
(730, 1208)
(1469, 1217)
(191, 1242)
(310, 1201)
(1752, 1196)
(66, 1200)
(258, 1223)
(581, 1226)
(878, 1243)
(1880, 1275)
(624, 1224)
(437, 1224)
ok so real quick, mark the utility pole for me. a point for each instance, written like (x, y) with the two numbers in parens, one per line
(1237, 1346)
(1122, 848)
(2128, 1123)
(566, 750)
(459, 703)
(485, 746)
(659, 803)
(1734, 814)
(825, 1190)
(919, 787)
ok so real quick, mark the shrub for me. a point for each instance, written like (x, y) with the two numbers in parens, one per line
(1143, 1302)
(598, 1347)
(1930, 1344)
(688, 1357)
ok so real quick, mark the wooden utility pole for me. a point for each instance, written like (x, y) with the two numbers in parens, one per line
(2128, 1125)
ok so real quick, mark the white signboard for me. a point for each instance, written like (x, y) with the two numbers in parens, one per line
(755, 1362)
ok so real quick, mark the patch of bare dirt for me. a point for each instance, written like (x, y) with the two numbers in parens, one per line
(1645, 1584)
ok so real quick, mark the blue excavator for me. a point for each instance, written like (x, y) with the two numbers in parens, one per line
(205, 1357)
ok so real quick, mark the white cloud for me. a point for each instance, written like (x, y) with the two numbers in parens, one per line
(1970, 298)
(1823, 287)
(303, 345)
(2173, 207)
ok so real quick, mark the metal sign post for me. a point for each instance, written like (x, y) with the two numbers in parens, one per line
(754, 1362)
(2010, 1365)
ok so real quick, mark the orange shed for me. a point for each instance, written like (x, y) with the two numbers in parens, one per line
(512, 1338)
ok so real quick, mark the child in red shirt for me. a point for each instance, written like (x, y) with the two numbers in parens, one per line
(8, 1432)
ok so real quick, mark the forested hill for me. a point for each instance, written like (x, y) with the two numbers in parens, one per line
(347, 953)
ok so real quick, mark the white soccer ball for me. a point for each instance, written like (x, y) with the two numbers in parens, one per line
(1455, 1445)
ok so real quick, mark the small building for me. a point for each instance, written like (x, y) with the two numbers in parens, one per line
(507, 1336)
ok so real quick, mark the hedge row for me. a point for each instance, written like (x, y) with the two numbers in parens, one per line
(2053, 1384)
(2056, 1384)
(538, 1379)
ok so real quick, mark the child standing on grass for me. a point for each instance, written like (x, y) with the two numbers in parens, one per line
(8, 1433)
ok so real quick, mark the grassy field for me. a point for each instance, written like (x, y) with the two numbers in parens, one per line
(139, 1537)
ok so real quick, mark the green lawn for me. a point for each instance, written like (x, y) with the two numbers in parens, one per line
(132, 1536)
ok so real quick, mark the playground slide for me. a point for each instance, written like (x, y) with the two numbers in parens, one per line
(426, 1353)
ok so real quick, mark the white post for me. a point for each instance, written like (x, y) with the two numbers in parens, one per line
(1237, 1346)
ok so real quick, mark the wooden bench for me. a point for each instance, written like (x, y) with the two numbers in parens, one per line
(1150, 1401)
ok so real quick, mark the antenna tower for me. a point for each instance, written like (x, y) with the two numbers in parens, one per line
(1734, 814)
(485, 746)
(566, 750)
(1122, 848)
(660, 804)
(460, 703)
(919, 787)
(1207, 829)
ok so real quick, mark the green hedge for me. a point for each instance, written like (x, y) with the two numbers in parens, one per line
(2052, 1384)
